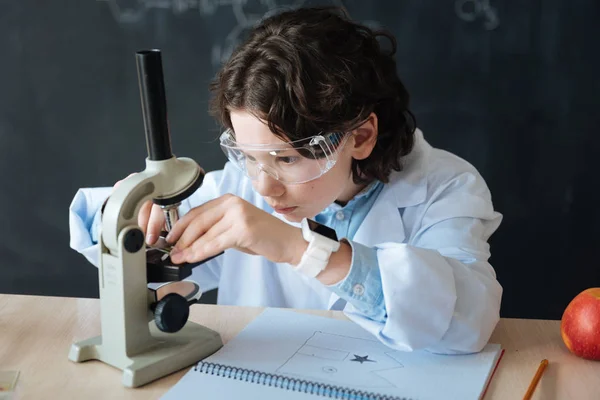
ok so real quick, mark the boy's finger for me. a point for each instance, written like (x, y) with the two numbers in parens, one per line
(155, 224)
(202, 223)
(144, 215)
(211, 208)
(214, 241)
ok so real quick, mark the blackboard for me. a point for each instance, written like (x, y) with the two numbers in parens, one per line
(510, 86)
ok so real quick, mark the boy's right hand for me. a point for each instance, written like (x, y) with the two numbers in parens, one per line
(151, 218)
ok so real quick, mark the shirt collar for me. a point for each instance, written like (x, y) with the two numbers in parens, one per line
(364, 194)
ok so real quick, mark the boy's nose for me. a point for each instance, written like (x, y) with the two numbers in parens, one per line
(268, 186)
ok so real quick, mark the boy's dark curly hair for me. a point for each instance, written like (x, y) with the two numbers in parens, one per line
(313, 70)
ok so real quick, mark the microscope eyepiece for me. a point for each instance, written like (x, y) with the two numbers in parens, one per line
(154, 104)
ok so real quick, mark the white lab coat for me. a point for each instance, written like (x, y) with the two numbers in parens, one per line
(430, 224)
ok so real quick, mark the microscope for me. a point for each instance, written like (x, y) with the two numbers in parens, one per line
(145, 331)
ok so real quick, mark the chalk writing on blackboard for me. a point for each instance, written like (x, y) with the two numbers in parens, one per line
(133, 11)
(472, 10)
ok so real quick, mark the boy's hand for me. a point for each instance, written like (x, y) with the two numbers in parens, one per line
(151, 218)
(231, 222)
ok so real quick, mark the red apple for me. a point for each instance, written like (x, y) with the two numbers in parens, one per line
(580, 324)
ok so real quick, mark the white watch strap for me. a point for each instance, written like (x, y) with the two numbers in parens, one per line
(313, 261)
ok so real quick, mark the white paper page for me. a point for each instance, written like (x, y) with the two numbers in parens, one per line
(341, 353)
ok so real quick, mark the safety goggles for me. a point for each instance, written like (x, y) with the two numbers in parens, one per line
(294, 162)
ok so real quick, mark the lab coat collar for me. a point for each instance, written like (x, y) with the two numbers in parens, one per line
(410, 184)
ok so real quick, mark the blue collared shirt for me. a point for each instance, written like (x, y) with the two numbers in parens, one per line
(362, 285)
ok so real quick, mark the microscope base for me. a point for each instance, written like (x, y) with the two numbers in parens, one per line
(173, 352)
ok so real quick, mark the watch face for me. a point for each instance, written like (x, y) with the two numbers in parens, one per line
(322, 230)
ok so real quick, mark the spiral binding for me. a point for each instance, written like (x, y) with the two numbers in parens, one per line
(287, 383)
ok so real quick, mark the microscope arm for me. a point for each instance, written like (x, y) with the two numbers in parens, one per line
(162, 179)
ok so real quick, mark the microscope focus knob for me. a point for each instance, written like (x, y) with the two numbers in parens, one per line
(134, 240)
(171, 313)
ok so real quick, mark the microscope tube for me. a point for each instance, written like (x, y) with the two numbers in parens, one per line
(171, 215)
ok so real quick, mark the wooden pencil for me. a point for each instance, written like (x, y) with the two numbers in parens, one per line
(536, 379)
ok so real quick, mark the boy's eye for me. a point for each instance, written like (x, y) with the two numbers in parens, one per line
(287, 160)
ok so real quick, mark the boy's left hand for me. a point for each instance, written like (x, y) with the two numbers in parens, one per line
(231, 222)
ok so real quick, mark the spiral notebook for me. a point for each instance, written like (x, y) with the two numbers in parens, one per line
(284, 354)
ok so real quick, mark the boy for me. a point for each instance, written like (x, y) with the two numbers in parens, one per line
(319, 134)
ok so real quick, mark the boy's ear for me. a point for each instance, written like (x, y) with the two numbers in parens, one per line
(365, 137)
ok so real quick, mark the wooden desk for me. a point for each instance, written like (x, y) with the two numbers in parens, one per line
(36, 334)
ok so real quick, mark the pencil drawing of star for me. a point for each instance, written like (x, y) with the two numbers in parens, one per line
(362, 359)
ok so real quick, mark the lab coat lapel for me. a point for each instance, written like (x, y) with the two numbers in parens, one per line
(382, 223)
(406, 188)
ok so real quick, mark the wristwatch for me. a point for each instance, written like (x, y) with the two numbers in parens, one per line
(322, 241)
